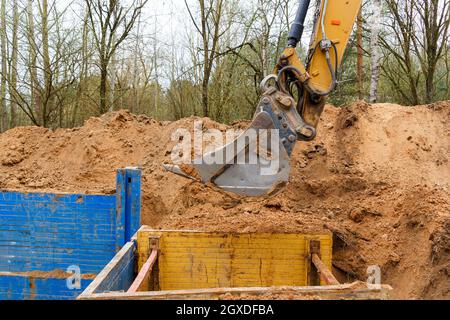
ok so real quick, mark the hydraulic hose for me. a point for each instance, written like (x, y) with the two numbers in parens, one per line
(294, 70)
(333, 71)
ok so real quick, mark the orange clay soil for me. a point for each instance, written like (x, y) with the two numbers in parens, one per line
(55, 274)
(377, 177)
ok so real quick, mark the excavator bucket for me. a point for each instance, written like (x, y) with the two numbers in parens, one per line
(259, 161)
(255, 163)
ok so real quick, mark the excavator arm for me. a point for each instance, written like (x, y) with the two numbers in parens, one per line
(334, 20)
(293, 98)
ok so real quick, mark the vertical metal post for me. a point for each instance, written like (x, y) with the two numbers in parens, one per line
(133, 202)
(128, 205)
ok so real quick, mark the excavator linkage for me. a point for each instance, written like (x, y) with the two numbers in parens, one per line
(256, 163)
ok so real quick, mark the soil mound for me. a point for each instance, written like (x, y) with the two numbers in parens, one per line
(377, 176)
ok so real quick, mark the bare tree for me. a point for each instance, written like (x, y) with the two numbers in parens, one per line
(85, 58)
(415, 31)
(360, 56)
(34, 104)
(375, 50)
(13, 65)
(262, 41)
(4, 70)
(47, 87)
(136, 101)
(111, 23)
(397, 42)
(429, 43)
(210, 29)
(38, 89)
(267, 30)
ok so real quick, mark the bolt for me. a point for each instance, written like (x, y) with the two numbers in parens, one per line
(305, 132)
(286, 102)
(292, 138)
(265, 100)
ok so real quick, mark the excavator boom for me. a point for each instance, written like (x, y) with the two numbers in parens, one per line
(257, 162)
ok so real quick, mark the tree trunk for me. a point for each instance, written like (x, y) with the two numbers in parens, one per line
(112, 77)
(429, 84)
(84, 67)
(136, 101)
(205, 96)
(360, 61)
(13, 69)
(4, 70)
(206, 63)
(112, 84)
(103, 86)
(436, 36)
(375, 51)
(35, 102)
(46, 60)
(155, 63)
(110, 23)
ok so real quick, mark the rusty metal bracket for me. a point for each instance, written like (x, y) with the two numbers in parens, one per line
(154, 280)
(313, 273)
(148, 276)
(325, 274)
(319, 271)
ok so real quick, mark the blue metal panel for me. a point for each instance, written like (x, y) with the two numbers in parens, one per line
(27, 288)
(120, 208)
(45, 232)
(119, 273)
(48, 231)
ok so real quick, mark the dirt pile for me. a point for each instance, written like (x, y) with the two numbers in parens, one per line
(378, 177)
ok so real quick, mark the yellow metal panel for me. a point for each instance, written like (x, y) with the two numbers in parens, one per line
(194, 260)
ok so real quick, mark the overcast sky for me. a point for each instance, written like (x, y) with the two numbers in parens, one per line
(169, 20)
(172, 16)
(169, 15)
